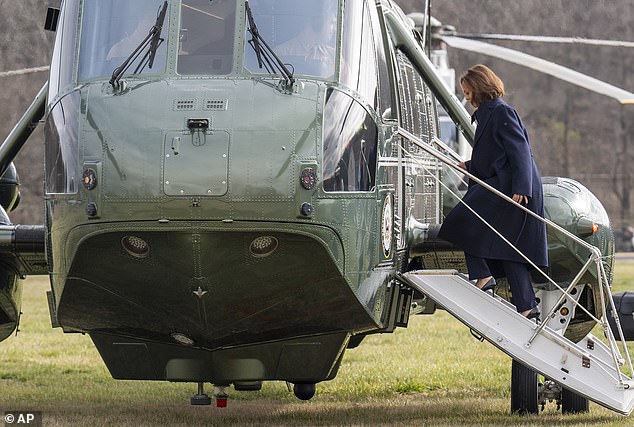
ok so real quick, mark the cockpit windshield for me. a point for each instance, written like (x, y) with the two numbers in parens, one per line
(303, 33)
(206, 37)
(112, 29)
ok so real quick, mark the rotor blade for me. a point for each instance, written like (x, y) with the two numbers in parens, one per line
(547, 39)
(23, 71)
(561, 72)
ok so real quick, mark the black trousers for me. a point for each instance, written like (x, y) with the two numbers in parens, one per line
(517, 274)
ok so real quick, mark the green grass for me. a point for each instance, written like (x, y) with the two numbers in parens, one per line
(433, 373)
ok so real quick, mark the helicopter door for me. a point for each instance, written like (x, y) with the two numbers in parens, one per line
(423, 198)
(196, 163)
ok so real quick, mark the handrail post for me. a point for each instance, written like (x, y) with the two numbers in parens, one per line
(616, 320)
(561, 298)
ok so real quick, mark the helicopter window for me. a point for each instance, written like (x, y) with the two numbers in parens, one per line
(385, 87)
(358, 57)
(61, 152)
(206, 37)
(112, 30)
(449, 132)
(63, 58)
(350, 143)
(303, 33)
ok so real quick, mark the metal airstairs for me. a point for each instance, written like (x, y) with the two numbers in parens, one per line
(586, 367)
(590, 367)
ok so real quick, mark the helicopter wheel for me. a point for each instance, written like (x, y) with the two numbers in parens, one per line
(304, 391)
(200, 398)
(523, 390)
(573, 403)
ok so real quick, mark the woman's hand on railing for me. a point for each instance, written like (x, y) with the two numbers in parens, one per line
(520, 198)
(462, 165)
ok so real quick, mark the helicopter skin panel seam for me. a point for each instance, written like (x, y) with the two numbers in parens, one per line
(541, 65)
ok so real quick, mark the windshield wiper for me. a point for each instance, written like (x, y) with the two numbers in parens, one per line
(153, 40)
(267, 58)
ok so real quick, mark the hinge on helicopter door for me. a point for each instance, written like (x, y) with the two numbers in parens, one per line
(585, 361)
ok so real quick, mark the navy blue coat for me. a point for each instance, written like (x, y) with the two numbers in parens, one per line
(502, 158)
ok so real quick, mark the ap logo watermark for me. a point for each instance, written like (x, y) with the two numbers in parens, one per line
(23, 418)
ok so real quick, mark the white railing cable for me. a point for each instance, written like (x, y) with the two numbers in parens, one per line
(573, 283)
(595, 254)
(613, 348)
(602, 278)
(509, 243)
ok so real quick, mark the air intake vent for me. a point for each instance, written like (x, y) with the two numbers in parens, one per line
(184, 104)
(215, 104)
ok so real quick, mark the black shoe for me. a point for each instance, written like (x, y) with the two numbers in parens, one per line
(534, 314)
(490, 286)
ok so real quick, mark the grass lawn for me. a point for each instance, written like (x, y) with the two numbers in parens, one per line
(433, 373)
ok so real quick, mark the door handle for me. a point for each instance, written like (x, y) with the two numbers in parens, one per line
(176, 145)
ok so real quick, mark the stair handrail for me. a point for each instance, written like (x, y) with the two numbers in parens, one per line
(506, 241)
(595, 253)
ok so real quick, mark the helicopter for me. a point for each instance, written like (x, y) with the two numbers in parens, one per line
(240, 191)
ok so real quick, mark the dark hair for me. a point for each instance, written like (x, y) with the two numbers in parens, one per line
(483, 82)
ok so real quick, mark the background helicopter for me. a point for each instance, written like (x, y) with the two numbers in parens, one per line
(568, 124)
(239, 328)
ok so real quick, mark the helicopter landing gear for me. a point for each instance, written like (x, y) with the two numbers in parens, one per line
(523, 390)
(200, 398)
(527, 394)
(221, 392)
(573, 403)
(304, 391)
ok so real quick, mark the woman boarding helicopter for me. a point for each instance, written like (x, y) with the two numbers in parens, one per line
(503, 159)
